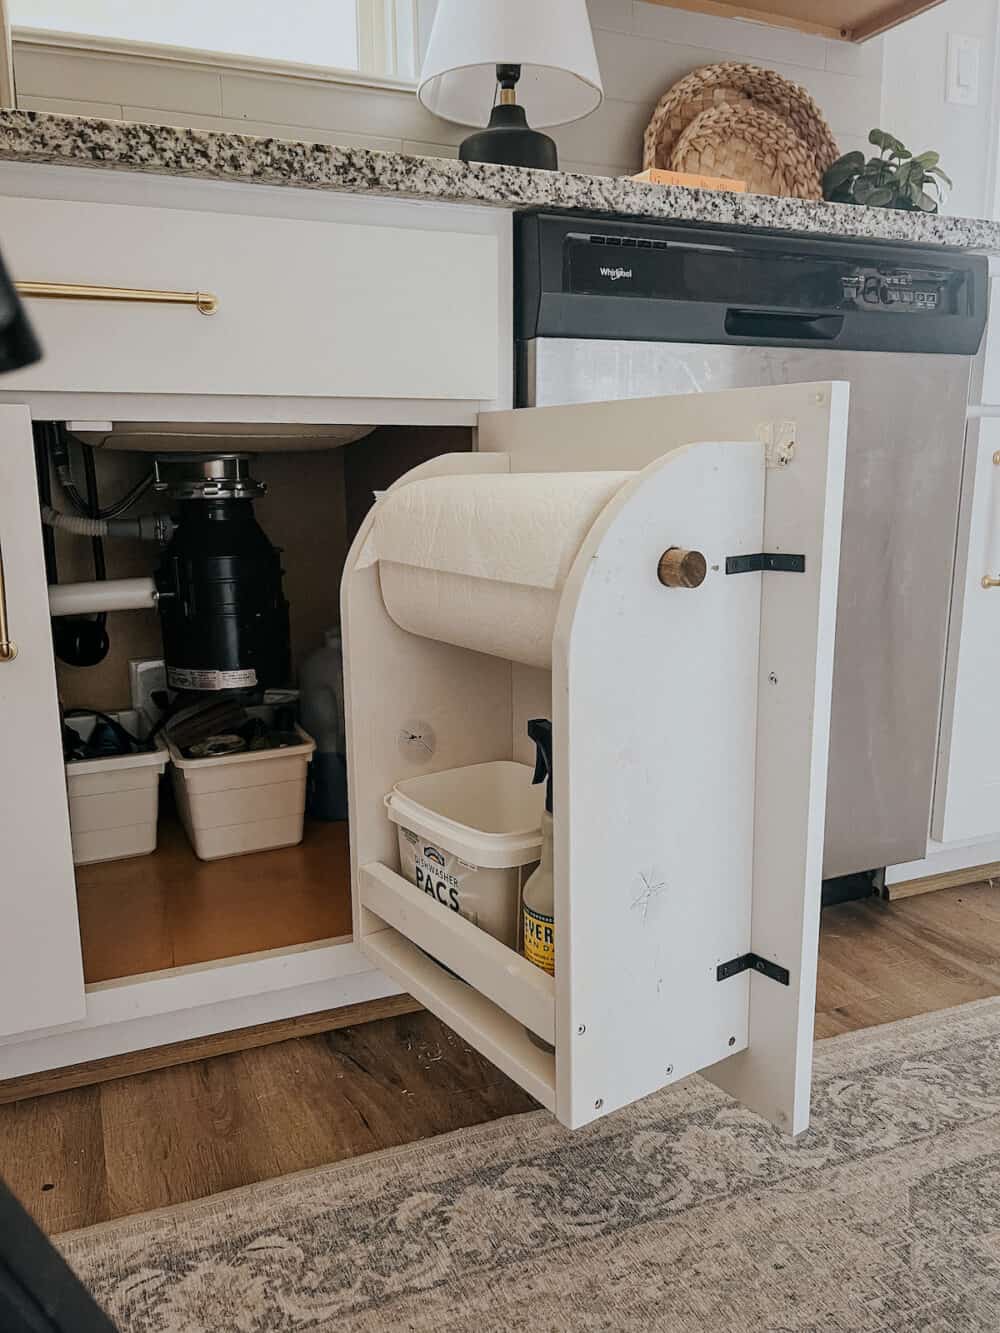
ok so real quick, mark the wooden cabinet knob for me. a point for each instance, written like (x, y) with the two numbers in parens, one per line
(679, 568)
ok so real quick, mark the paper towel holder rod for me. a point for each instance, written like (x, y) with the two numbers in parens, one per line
(679, 568)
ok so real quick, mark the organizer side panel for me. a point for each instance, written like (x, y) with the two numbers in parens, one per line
(413, 705)
(654, 714)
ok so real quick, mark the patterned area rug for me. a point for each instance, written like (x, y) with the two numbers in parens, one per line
(682, 1213)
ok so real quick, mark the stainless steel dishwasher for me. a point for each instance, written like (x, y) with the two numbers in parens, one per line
(606, 308)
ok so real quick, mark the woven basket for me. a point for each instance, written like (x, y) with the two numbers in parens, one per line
(749, 143)
(730, 82)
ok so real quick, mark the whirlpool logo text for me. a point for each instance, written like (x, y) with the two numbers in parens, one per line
(615, 274)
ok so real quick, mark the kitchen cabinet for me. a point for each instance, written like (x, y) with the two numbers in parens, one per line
(734, 910)
(850, 20)
(964, 839)
(967, 799)
(720, 969)
(41, 973)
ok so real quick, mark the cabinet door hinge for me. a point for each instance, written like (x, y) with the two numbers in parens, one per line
(768, 561)
(752, 962)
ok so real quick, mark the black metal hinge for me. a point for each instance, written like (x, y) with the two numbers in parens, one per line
(752, 962)
(768, 561)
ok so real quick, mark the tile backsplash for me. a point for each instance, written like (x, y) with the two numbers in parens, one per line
(642, 49)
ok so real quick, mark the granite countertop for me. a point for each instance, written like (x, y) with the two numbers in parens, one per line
(31, 136)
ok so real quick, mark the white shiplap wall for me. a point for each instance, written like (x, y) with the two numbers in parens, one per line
(642, 49)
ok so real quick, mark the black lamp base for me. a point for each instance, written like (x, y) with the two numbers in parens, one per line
(508, 141)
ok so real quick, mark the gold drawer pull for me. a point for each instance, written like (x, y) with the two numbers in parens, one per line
(8, 648)
(989, 582)
(71, 291)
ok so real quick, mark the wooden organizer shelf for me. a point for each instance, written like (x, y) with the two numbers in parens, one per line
(169, 909)
(848, 20)
(502, 990)
(507, 979)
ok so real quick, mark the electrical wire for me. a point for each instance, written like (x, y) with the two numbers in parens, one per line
(59, 445)
(132, 497)
(93, 504)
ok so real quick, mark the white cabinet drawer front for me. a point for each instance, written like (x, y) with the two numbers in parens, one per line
(306, 308)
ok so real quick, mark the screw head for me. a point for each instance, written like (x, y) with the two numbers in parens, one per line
(732, 1041)
(670, 1070)
(599, 1103)
(581, 1029)
(772, 677)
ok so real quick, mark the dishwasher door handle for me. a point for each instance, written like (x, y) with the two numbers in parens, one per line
(781, 326)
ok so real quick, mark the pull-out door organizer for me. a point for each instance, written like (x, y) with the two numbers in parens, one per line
(690, 724)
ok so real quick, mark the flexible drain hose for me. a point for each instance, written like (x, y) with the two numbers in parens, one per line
(149, 527)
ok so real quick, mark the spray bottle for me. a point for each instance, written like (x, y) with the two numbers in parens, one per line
(538, 897)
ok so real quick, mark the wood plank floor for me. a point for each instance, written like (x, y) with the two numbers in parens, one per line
(159, 1138)
(147, 913)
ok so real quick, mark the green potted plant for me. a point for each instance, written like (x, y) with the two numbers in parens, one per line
(894, 179)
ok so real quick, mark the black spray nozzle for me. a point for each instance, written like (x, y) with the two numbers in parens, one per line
(540, 731)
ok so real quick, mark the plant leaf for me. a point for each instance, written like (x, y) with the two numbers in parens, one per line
(888, 144)
(928, 159)
(880, 197)
(936, 171)
(926, 203)
(842, 170)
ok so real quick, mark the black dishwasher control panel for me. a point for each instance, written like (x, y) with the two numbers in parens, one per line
(582, 277)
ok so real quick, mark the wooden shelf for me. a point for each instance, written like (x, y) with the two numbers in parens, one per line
(850, 20)
(169, 909)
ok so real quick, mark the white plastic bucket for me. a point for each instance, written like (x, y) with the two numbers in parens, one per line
(246, 802)
(469, 837)
(114, 802)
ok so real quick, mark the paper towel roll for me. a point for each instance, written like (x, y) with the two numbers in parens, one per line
(479, 561)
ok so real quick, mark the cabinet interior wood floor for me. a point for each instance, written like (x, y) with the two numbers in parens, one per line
(144, 914)
(134, 1143)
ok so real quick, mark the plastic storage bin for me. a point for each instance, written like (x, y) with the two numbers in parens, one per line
(469, 837)
(114, 802)
(246, 802)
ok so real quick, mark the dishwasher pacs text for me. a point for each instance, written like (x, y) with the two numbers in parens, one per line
(488, 898)
(431, 876)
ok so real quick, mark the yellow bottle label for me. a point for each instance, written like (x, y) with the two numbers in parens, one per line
(540, 940)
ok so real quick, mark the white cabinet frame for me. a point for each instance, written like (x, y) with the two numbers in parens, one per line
(41, 968)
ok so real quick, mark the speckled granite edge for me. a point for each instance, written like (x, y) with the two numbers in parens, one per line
(32, 136)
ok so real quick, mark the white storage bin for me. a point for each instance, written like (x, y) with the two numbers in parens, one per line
(114, 802)
(468, 837)
(237, 803)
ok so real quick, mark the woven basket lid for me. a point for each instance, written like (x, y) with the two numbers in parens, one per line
(732, 82)
(748, 142)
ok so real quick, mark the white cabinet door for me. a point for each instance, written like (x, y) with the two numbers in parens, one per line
(967, 796)
(41, 971)
(305, 308)
(691, 730)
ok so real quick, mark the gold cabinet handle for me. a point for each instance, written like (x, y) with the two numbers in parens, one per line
(8, 648)
(205, 302)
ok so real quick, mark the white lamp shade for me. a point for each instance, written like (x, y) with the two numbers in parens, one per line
(550, 39)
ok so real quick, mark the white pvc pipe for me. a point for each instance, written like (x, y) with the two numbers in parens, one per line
(82, 599)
